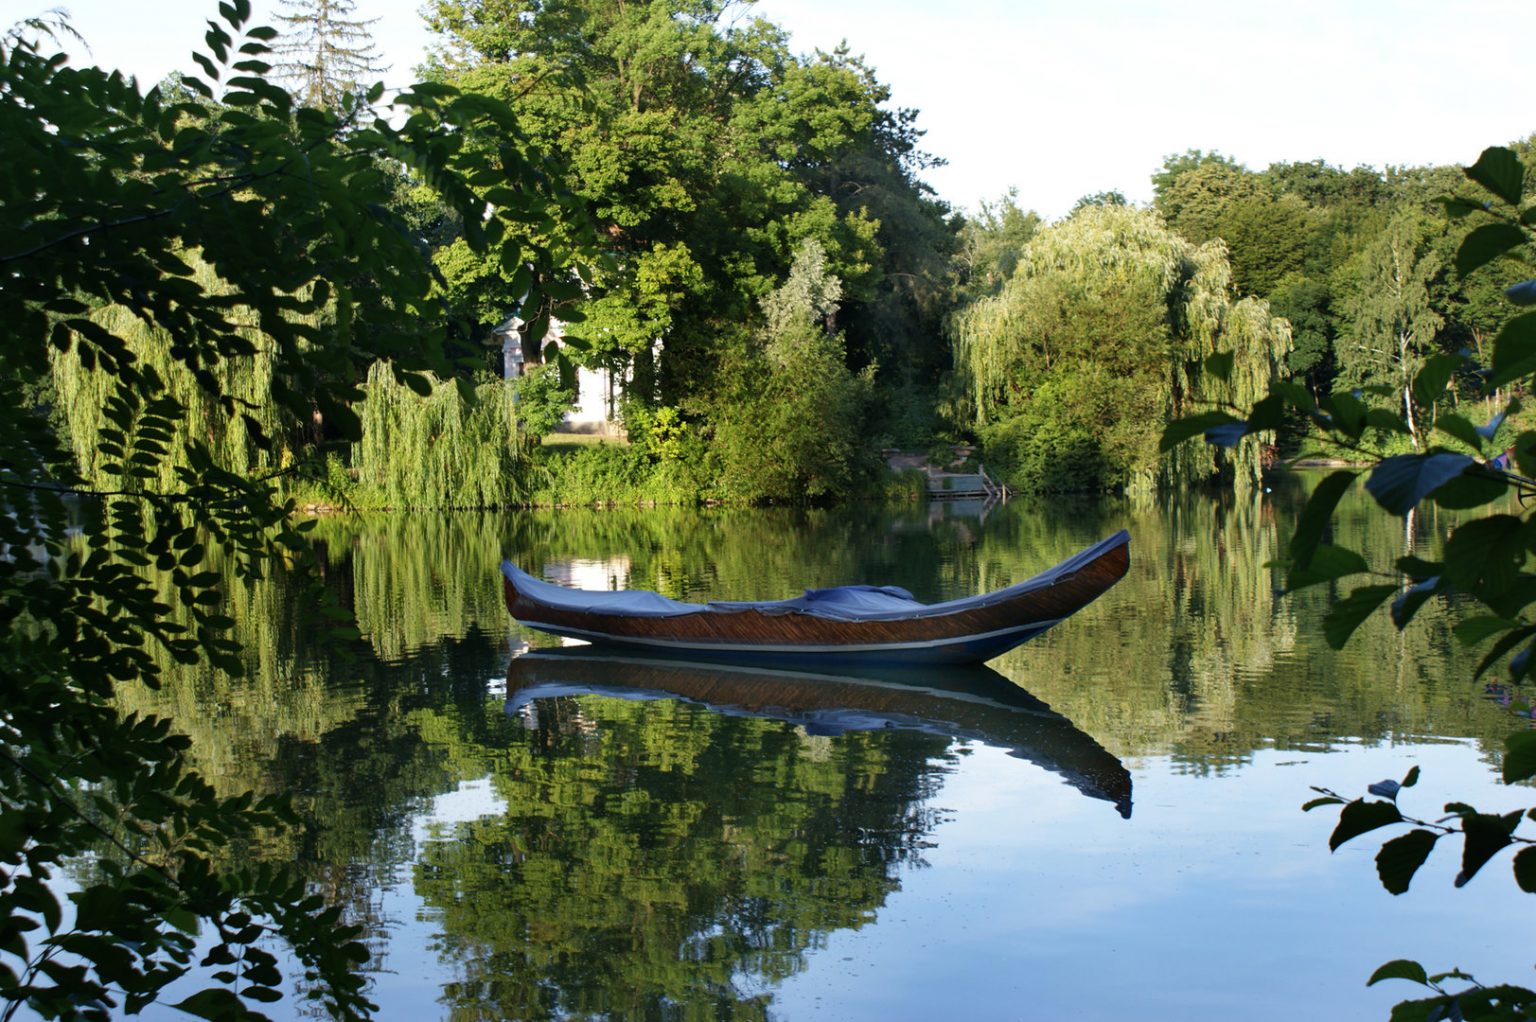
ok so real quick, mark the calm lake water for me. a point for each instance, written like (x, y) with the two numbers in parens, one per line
(1103, 824)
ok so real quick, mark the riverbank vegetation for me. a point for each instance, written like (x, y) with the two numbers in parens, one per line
(777, 296)
(1481, 568)
(195, 285)
(739, 236)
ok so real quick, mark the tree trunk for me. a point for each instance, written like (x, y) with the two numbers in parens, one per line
(1402, 358)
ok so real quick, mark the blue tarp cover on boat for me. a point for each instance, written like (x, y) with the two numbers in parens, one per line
(637, 602)
(843, 603)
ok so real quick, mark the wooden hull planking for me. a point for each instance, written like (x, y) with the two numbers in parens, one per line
(967, 636)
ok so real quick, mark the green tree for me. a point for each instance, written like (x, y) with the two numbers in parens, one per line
(323, 51)
(1182, 191)
(793, 433)
(120, 227)
(1100, 337)
(1267, 237)
(1266, 233)
(707, 154)
(1391, 325)
(1485, 567)
(542, 400)
(991, 242)
(1322, 186)
(1109, 198)
(1336, 214)
(1306, 304)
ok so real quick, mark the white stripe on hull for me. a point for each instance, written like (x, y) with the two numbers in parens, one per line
(756, 647)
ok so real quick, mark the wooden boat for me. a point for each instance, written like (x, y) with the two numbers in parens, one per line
(848, 624)
(970, 703)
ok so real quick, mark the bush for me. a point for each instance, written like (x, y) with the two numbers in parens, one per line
(542, 399)
(798, 438)
(608, 473)
(1065, 440)
(437, 450)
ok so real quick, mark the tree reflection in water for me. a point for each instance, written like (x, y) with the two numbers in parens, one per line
(675, 857)
(656, 859)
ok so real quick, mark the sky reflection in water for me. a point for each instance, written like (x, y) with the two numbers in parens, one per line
(663, 858)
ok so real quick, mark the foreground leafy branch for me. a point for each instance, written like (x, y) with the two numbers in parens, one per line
(1486, 561)
(110, 201)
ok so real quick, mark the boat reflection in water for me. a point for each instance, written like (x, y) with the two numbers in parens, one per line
(971, 703)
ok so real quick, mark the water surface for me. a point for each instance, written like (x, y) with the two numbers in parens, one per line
(1103, 824)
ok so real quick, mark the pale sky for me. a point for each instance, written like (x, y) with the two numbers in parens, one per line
(1062, 99)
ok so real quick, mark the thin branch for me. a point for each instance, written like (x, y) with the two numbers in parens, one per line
(54, 786)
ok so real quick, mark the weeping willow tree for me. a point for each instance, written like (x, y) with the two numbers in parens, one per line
(244, 381)
(1100, 337)
(437, 450)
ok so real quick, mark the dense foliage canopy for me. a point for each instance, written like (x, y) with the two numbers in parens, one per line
(213, 251)
(1100, 336)
(708, 154)
(1485, 565)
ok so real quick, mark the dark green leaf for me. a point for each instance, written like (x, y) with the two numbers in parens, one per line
(418, 383)
(1219, 365)
(1268, 413)
(1429, 383)
(1315, 516)
(1513, 602)
(1472, 630)
(1461, 429)
(1458, 208)
(1328, 564)
(1506, 643)
(264, 994)
(183, 919)
(1525, 869)
(213, 1003)
(1326, 800)
(1348, 412)
(1485, 244)
(1400, 858)
(1417, 567)
(1500, 171)
(34, 896)
(1514, 350)
(1525, 453)
(1398, 483)
(1360, 816)
(1473, 488)
(1519, 757)
(207, 65)
(1387, 422)
(1402, 968)
(1180, 430)
(1483, 555)
(339, 416)
(1485, 836)
(1347, 614)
